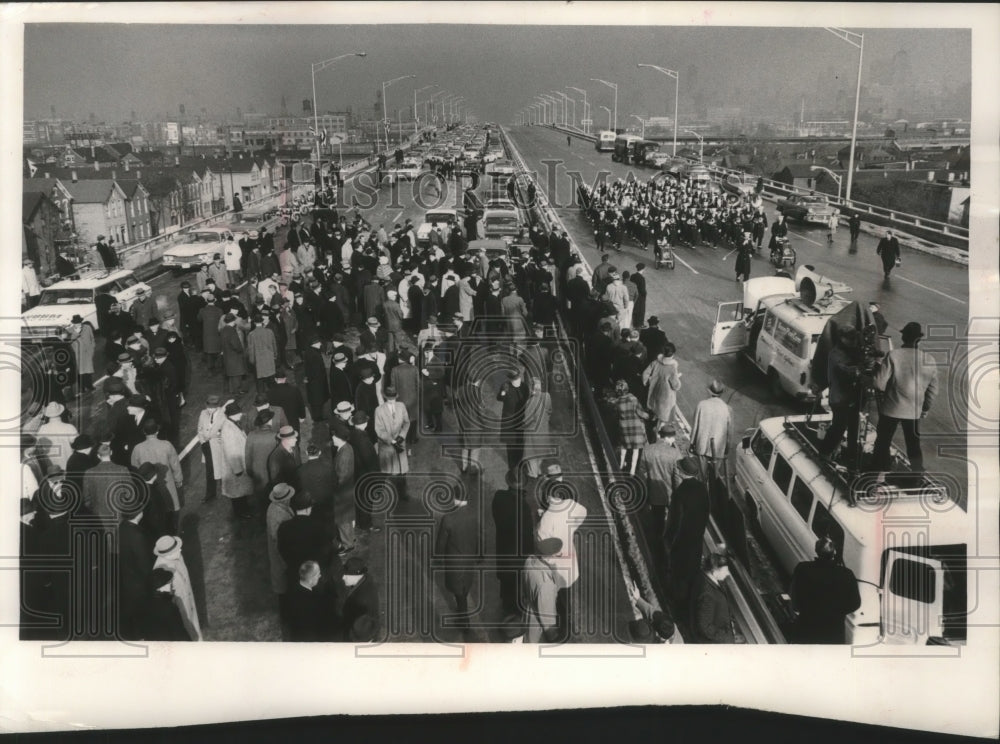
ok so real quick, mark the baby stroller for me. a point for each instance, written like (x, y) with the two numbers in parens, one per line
(782, 253)
(664, 254)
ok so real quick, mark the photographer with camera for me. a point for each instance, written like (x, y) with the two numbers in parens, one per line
(844, 370)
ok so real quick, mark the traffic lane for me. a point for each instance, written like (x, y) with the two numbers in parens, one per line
(687, 307)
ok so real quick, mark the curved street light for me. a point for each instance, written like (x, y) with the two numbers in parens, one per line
(615, 87)
(858, 42)
(701, 144)
(641, 121)
(385, 111)
(609, 116)
(416, 117)
(833, 175)
(316, 67)
(585, 108)
(677, 86)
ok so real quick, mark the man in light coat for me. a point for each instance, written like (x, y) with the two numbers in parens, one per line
(908, 380)
(262, 352)
(617, 294)
(712, 433)
(210, 422)
(391, 426)
(81, 336)
(161, 454)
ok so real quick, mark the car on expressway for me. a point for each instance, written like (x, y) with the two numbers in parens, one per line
(503, 223)
(408, 170)
(49, 320)
(196, 248)
(443, 218)
(806, 208)
(252, 221)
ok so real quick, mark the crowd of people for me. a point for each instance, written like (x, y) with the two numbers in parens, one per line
(271, 332)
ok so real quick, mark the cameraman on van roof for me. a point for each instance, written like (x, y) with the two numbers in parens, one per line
(844, 373)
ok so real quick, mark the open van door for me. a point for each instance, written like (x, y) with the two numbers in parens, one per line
(912, 598)
(730, 332)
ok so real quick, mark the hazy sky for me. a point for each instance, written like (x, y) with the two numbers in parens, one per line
(112, 70)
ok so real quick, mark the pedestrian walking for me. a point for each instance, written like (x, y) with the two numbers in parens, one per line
(683, 535)
(888, 250)
(712, 434)
(391, 425)
(662, 379)
(210, 422)
(459, 542)
(237, 484)
(631, 429)
(513, 397)
(168, 556)
(711, 615)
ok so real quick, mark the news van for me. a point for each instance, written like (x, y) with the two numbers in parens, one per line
(900, 533)
(605, 141)
(778, 325)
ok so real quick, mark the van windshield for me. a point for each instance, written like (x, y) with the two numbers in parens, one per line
(66, 296)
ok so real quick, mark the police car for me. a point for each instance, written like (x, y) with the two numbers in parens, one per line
(778, 325)
(900, 533)
(49, 320)
(197, 248)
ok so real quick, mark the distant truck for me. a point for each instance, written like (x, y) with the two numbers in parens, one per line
(644, 152)
(624, 151)
(605, 141)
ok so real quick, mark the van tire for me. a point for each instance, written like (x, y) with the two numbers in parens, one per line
(774, 384)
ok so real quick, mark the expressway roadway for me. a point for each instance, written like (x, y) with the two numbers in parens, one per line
(926, 289)
(227, 558)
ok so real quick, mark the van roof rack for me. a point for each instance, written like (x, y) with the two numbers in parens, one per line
(872, 487)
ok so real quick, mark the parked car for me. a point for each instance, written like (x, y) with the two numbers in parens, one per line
(49, 320)
(806, 208)
(408, 170)
(196, 248)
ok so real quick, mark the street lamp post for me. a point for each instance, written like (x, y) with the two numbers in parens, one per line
(609, 116)
(552, 102)
(416, 118)
(641, 121)
(563, 102)
(677, 87)
(615, 87)
(833, 175)
(701, 144)
(316, 67)
(857, 41)
(584, 93)
(385, 111)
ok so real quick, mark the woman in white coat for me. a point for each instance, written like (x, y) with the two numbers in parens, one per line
(168, 556)
(663, 380)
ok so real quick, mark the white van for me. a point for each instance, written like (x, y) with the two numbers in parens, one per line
(778, 323)
(906, 543)
(605, 141)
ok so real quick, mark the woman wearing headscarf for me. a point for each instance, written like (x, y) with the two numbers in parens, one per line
(631, 428)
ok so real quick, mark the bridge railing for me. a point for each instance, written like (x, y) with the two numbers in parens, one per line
(946, 233)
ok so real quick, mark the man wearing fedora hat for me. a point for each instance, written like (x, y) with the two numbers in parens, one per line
(168, 556)
(56, 434)
(687, 519)
(712, 433)
(82, 460)
(210, 422)
(661, 460)
(908, 380)
(81, 336)
(284, 459)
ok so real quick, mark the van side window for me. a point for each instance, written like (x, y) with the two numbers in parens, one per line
(782, 473)
(825, 525)
(762, 448)
(802, 499)
(913, 580)
(769, 322)
(790, 338)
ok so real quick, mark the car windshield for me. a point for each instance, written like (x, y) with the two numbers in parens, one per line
(66, 296)
(203, 237)
(503, 220)
(813, 200)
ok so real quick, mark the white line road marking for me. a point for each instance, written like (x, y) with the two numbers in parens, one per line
(800, 235)
(693, 269)
(931, 289)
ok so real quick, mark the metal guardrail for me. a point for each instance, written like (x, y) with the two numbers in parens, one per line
(755, 619)
(953, 235)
